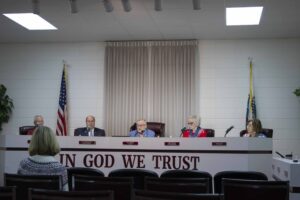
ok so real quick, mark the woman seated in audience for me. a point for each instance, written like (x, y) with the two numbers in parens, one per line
(254, 129)
(193, 128)
(42, 149)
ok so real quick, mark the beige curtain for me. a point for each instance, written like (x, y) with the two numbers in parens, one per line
(152, 80)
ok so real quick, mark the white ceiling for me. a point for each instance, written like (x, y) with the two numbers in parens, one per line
(177, 20)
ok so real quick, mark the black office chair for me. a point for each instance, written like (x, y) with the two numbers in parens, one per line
(40, 194)
(235, 189)
(244, 175)
(24, 182)
(184, 185)
(81, 171)
(266, 131)
(210, 132)
(157, 195)
(8, 193)
(157, 127)
(137, 174)
(188, 174)
(121, 186)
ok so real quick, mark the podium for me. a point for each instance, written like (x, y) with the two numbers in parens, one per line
(287, 170)
(157, 154)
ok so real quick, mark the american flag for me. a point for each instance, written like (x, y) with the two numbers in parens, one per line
(251, 105)
(62, 112)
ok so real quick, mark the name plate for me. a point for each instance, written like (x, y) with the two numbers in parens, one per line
(172, 143)
(219, 143)
(135, 143)
(87, 142)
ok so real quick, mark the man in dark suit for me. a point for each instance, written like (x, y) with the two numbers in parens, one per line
(90, 129)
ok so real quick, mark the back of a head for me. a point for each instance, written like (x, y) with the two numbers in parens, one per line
(43, 142)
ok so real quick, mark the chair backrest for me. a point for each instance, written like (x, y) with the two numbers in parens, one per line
(40, 194)
(184, 185)
(23, 182)
(235, 189)
(23, 130)
(157, 127)
(121, 186)
(137, 174)
(188, 174)
(210, 132)
(266, 131)
(81, 171)
(244, 175)
(157, 195)
(8, 193)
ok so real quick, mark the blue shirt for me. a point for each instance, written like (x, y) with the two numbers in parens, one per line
(147, 133)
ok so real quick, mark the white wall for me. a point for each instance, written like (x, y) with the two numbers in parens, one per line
(224, 87)
(32, 75)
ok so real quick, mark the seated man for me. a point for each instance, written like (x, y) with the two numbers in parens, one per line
(90, 129)
(38, 120)
(141, 130)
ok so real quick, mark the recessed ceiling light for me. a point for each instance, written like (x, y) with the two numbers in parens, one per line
(243, 16)
(30, 21)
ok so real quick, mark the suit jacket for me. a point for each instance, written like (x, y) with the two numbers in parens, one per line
(84, 132)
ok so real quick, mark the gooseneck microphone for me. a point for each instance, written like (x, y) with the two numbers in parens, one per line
(279, 154)
(228, 130)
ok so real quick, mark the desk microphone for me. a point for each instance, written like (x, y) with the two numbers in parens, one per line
(228, 130)
(279, 154)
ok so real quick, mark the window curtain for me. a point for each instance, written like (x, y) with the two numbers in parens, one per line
(154, 80)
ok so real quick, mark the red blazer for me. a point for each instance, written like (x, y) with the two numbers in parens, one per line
(202, 133)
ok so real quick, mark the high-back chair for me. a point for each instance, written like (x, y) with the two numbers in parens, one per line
(81, 171)
(235, 189)
(188, 174)
(157, 195)
(40, 194)
(8, 193)
(137, 174)
(121, 186)
(24, 182)
(183, 185)
(244, 175)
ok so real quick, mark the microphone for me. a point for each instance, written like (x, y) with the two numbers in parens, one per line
(279, 154)
(228, 130)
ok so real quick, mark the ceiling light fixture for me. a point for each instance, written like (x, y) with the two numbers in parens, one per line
(30, 21)
(157, 5)
(36, 7)
(196, 5)
(73, 5)
(243, 16)
(126, 5)
(108, 5)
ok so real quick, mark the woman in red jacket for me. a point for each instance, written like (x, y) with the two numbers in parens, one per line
(193, 128)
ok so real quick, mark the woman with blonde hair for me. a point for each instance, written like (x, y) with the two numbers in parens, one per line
(42, 149)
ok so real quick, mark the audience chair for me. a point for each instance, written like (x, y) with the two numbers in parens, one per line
(157, 195)
(157, 127)
(244, 175)
(23, 182)
(235, 189)
(137, 174)
(23, 130)
(40, 194)
(183, 185)
(8, 193)
(121, 186)
(210, 132)
(266, 131)
(188, 174)
(81, 171)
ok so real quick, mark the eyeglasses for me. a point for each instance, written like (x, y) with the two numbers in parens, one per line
(141, 124)
(190, 123)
